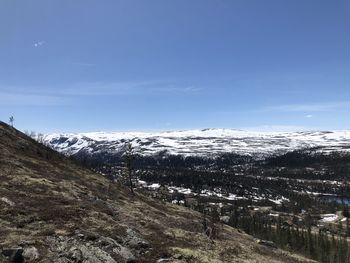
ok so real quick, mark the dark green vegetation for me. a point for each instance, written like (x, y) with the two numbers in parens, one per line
(318, 185)
(317, 244)
(53, 210)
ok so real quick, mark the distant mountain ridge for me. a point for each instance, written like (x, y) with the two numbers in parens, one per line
(199, 143)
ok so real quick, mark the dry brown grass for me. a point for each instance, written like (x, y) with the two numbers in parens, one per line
(54, 196)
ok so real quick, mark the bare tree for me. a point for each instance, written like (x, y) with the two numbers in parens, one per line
(32, 135)
(11, 120)
(129, 165)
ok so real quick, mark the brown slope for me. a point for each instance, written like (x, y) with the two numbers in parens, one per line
(53, 210)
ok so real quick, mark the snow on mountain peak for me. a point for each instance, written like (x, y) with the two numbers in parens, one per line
(200, 142)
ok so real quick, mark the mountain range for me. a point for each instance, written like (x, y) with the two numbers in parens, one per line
(208, 143)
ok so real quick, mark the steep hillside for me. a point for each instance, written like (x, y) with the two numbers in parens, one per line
(52, 210)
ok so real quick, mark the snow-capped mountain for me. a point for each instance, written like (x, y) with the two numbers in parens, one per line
(207, 142)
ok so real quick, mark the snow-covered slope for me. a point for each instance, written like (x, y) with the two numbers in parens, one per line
(207, 142)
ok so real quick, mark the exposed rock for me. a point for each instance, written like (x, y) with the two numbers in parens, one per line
(123, 252)
(78, 251)
(103, 249)
(266, 243)
(163, 260)
(133, 240)
(7, 201)
(30, 254)
(76, 254)
(106, 241)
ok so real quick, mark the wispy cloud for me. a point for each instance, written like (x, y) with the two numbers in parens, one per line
(22, 99)
(308, 107)
(308, 116)
(39, 43)
(126, 88)
(45, 96)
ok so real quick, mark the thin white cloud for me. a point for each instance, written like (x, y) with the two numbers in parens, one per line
(106, 89)
(308, 116)
(39, 43)
(308, 107)
(45, 96)
(22, 99)
(126, 88)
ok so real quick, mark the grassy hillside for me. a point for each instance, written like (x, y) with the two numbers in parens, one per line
(53, 210)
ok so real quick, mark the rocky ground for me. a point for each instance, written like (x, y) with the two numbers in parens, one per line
(53, 210)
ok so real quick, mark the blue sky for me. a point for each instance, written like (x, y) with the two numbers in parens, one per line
(88, 65)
